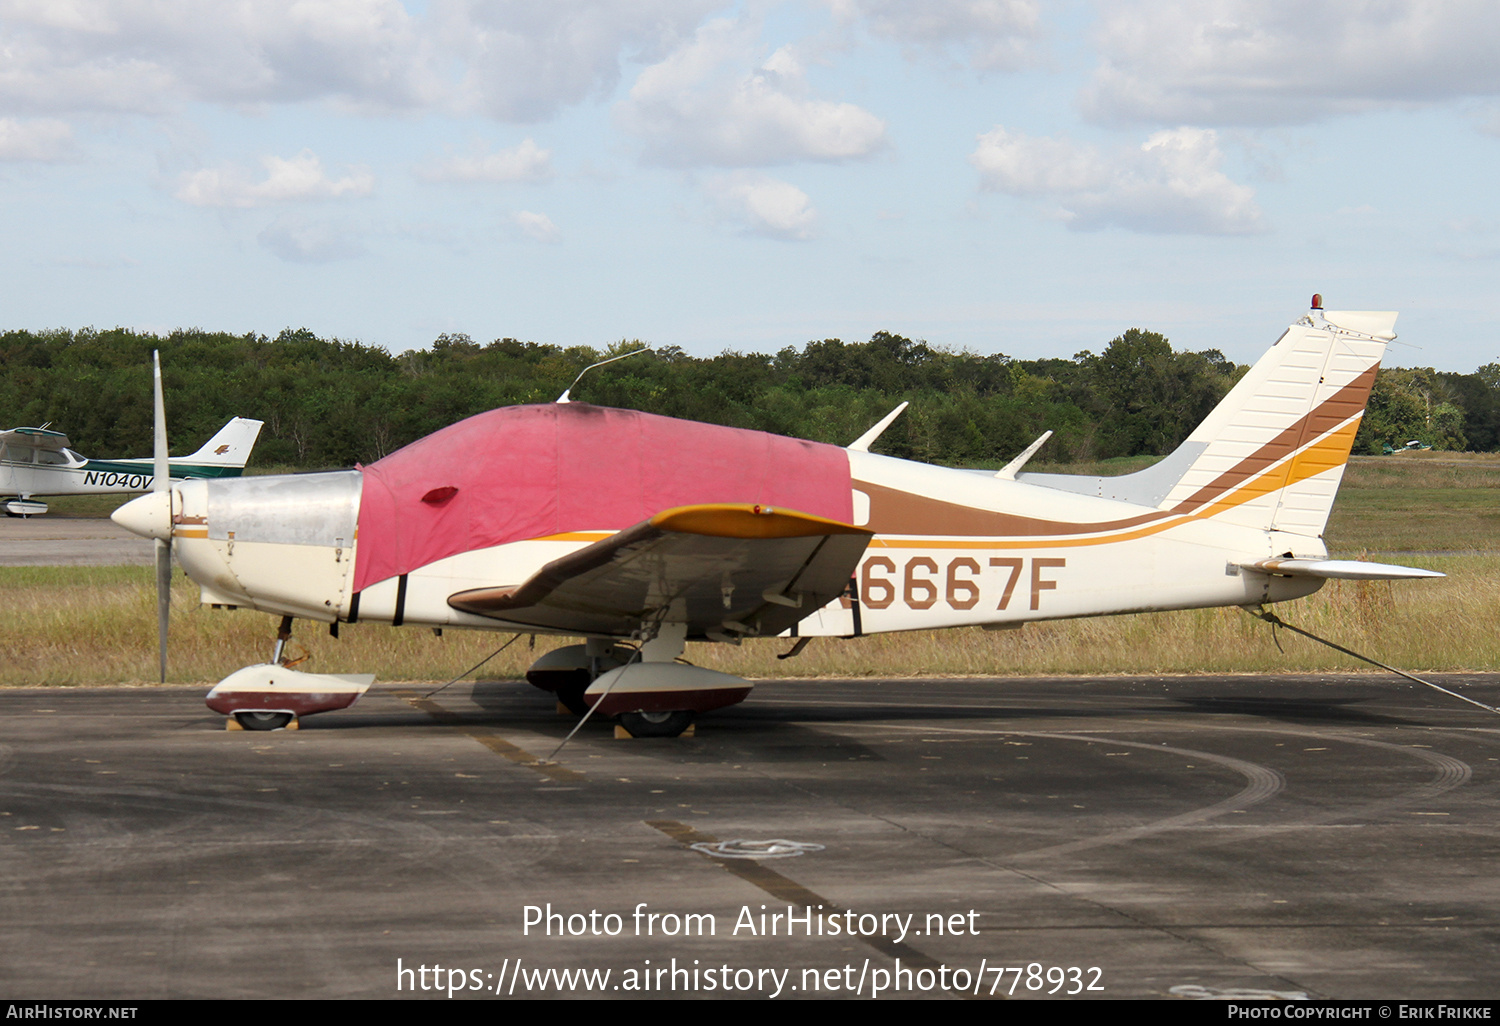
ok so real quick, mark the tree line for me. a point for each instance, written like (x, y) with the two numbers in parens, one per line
(330, 402)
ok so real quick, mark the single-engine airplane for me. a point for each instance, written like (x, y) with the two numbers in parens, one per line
(621, 526)
(38, 461)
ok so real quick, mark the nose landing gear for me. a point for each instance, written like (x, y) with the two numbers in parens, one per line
(273, 696)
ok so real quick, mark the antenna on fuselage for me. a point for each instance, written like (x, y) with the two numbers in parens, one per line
(864, 441)
(564, 397)
(1011, 469)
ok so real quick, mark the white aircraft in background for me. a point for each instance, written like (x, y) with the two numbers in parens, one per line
(37, 461)
(622, 527)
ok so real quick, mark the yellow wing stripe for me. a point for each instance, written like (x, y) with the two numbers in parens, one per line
(744, 520)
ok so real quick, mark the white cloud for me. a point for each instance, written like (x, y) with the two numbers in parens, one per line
(706, 104)
(287, 180)
(525, 162)
(307, 241)
(537, 226)
(524, 60)
(1262, 62)
(763, 205)
(995, 34)
(126, 55)
(1172, 184)
(516, 60)
(42, 139)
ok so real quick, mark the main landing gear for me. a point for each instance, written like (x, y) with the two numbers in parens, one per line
(568, 672)
(646, 690)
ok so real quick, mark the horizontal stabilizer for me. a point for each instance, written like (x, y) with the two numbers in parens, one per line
(1337, 569)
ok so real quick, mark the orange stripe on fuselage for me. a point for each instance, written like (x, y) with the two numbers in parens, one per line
(1329, 452)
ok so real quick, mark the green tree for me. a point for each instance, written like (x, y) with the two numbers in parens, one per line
(1411, 404)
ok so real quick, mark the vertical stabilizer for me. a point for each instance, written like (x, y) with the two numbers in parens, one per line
(1274, 450)
(1272, 453)
(230, 447)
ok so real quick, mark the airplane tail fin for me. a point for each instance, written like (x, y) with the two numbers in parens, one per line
(230, 447)
(1272, 453)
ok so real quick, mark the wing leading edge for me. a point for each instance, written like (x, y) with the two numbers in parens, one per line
(726, 570)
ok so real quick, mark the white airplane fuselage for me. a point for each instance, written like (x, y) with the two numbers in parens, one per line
(52, 469)
(288, 545)
(85, 477)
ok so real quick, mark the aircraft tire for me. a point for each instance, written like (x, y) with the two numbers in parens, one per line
(656, 724)
(263, 720)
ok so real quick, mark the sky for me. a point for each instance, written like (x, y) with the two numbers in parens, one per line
(999, 176)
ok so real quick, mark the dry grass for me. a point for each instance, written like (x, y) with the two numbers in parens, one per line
(1419, 502)
(97, 626)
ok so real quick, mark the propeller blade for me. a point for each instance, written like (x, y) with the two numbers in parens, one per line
(161, 481)
(161, 470)
(163, 601)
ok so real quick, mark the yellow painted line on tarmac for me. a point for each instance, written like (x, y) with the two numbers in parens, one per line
(495, 743)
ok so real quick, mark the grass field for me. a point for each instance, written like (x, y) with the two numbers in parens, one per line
(96, 625)
(1418, 502)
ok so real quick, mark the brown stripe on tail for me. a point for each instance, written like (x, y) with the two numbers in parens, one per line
(1327, 415)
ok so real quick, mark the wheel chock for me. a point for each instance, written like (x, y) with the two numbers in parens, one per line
(233, 724)
(621, 734)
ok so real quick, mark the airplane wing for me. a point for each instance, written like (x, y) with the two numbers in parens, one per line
(39, 438)
(725, 569)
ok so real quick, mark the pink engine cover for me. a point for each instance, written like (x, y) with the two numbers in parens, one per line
(534, 471)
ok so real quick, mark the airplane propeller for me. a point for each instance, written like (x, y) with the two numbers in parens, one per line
(151, 515)
(161, 481)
